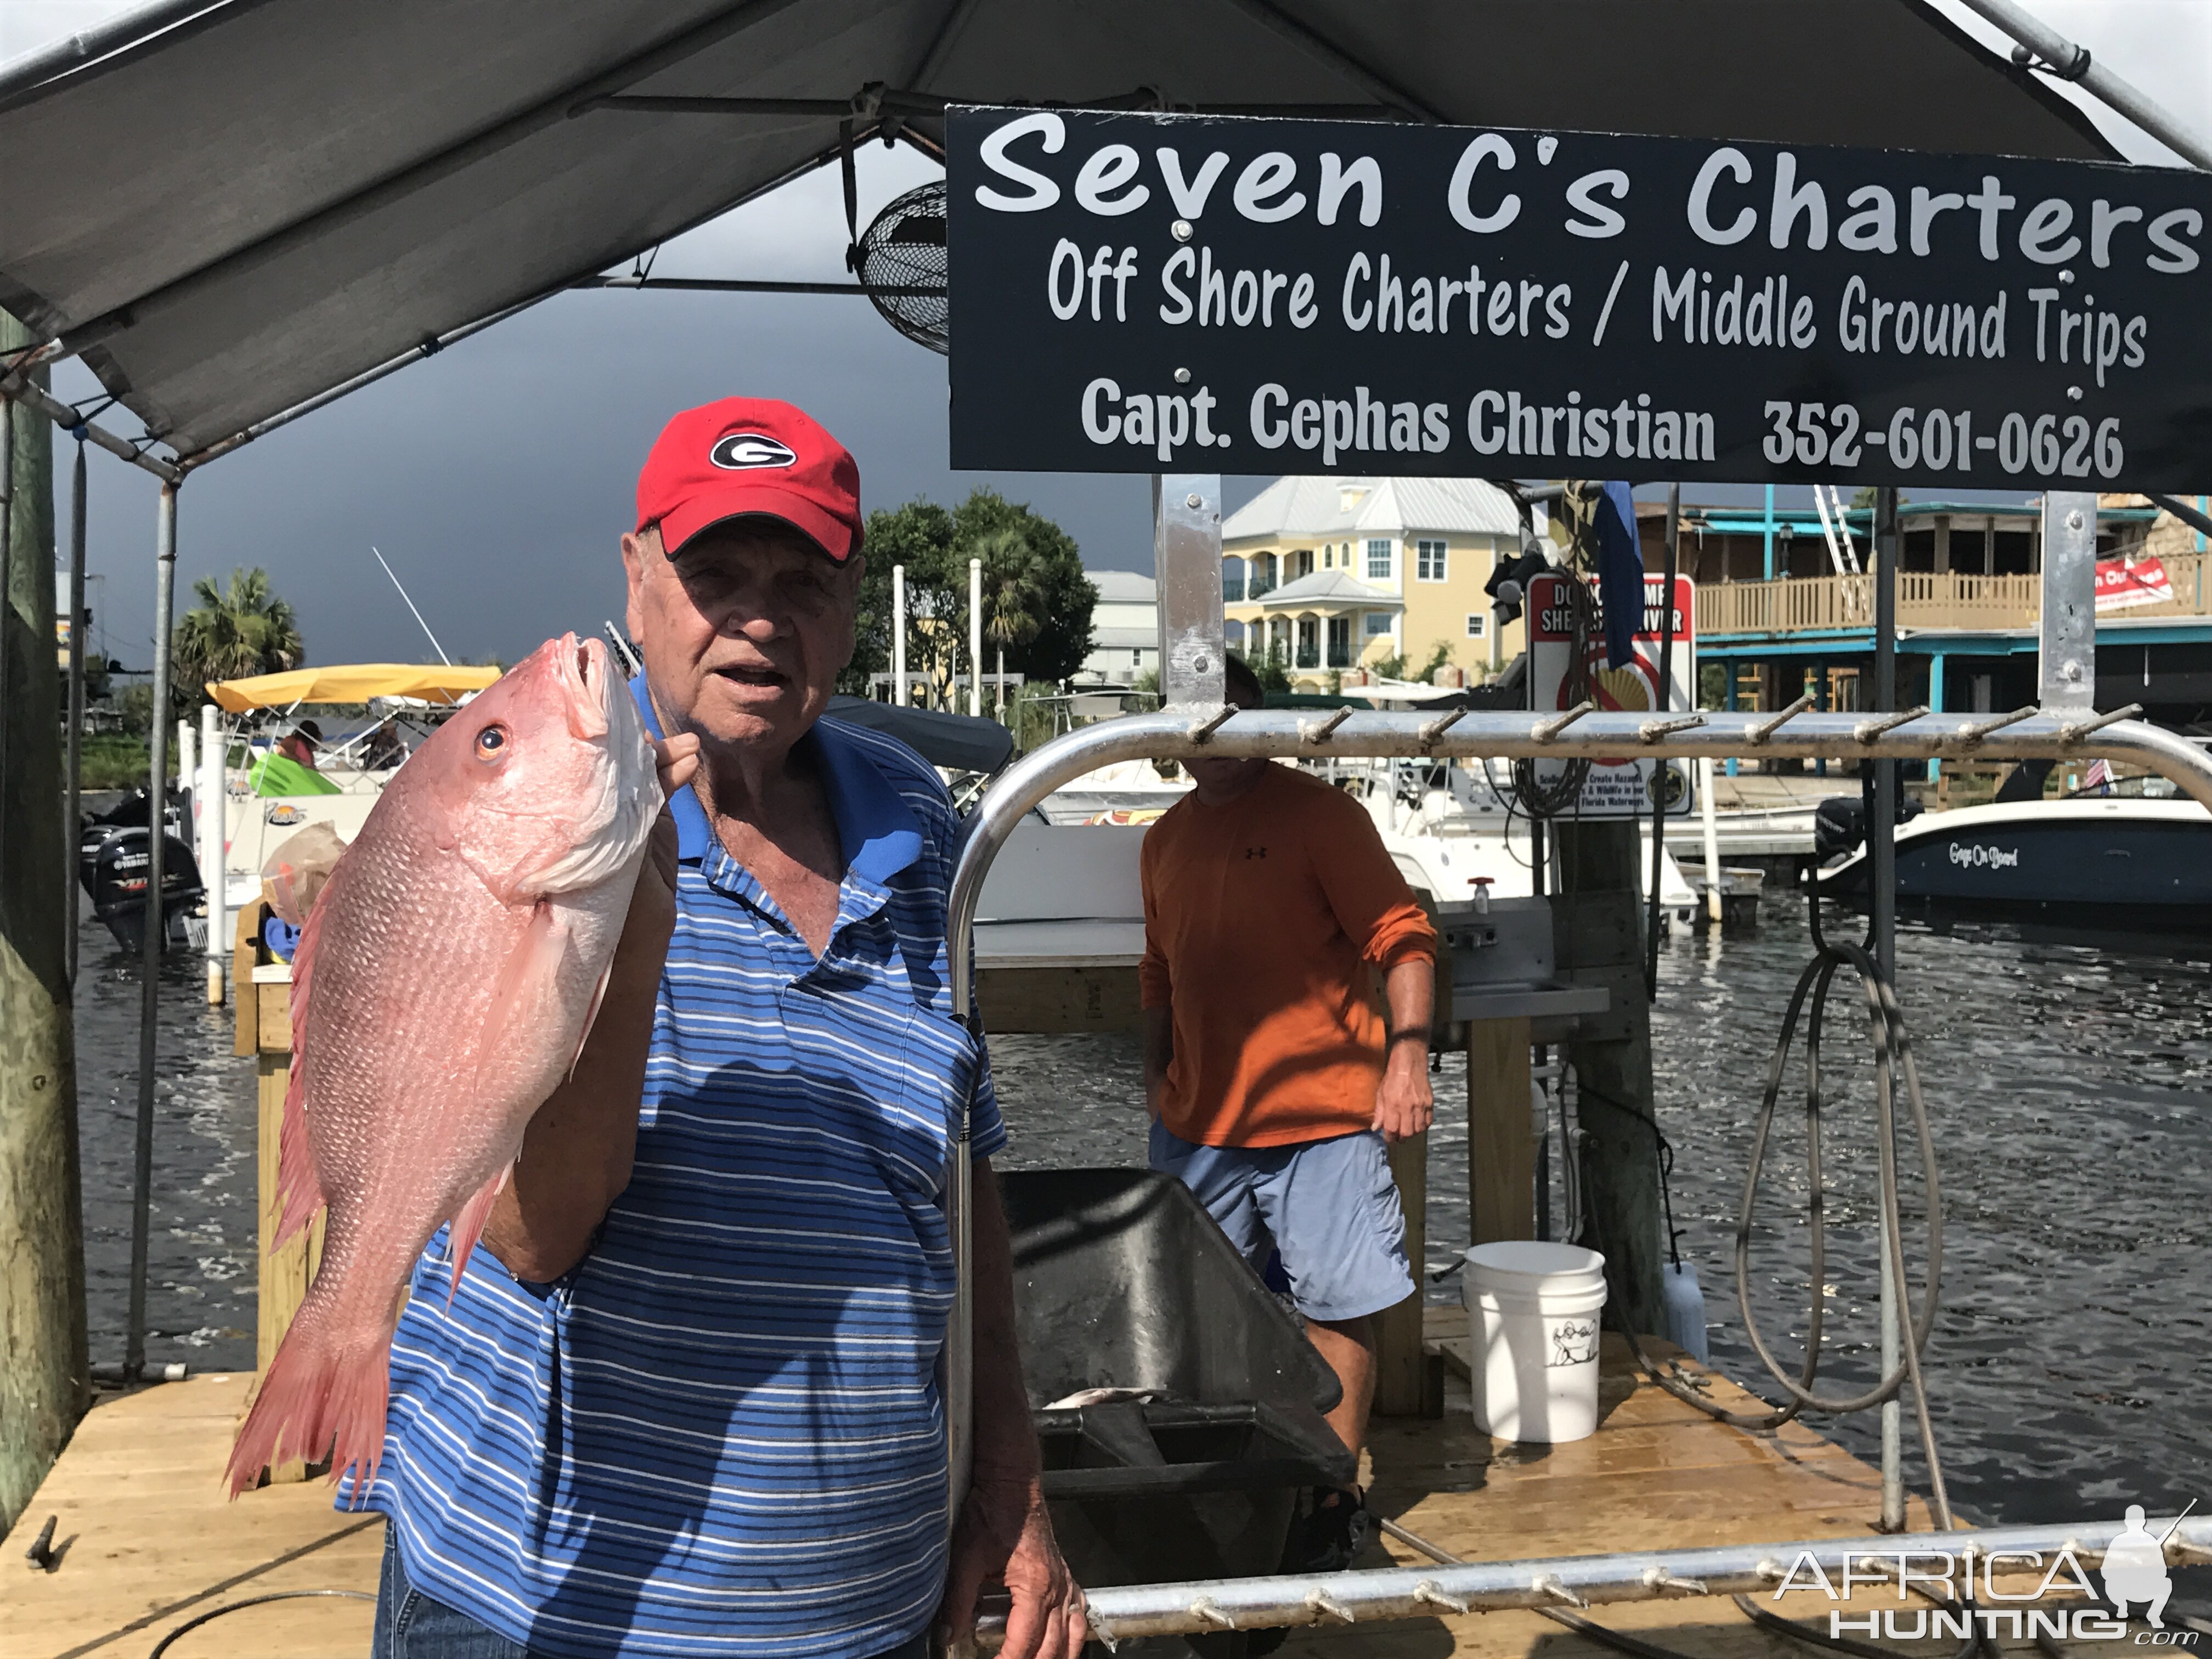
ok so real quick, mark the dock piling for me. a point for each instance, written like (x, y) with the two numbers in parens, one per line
(42, 1385)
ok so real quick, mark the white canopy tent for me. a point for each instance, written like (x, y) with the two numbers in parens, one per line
(230, 208)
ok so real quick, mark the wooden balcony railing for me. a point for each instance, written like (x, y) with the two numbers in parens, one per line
(1924, 599)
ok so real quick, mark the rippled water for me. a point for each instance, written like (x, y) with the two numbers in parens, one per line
(2070, 1088)
(201, 1285)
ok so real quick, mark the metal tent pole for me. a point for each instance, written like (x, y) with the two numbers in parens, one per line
(898, 634)
(73, 787)
(1881, 846)
(975, 643)
(213, 803)
(1661, 769)
(2070, 62)
(150, 1005)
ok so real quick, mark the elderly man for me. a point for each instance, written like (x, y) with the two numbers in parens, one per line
(1273, 1080)
(684, 1401)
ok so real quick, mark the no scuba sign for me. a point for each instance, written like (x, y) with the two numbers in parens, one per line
(1136, 293)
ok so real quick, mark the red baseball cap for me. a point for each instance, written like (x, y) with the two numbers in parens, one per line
(744, 456)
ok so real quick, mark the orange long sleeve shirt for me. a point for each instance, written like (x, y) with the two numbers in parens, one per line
(1260, 917)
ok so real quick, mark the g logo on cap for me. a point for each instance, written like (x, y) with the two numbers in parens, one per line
(740, 451)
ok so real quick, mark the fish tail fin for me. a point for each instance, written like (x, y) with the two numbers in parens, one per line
(469, 1225)
(327, 1388)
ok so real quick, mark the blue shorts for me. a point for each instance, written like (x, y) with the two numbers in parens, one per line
(1329, 1206)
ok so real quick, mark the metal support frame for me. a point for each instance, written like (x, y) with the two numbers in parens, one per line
(2067, 660)
(149, 969)
(16, 390)
(2070, 62)
(73, 784)
(1882, 850)
(1118, 1613)
(1187, 555)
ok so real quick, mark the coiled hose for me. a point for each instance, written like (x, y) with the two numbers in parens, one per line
(1893, 1061)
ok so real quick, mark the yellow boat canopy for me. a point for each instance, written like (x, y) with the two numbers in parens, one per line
(356, 683)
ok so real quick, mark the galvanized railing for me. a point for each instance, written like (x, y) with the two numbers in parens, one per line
(1977, 1559)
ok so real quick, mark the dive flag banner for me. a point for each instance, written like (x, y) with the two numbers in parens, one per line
(2122, 586)
(1136, 292)
(1623, 786)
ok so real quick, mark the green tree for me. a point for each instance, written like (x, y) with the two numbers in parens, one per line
(1013, 595)
(1062, 640)
(236, 630)
(1862, 499)
(1272, 671)
(934, 544)
(919, 535)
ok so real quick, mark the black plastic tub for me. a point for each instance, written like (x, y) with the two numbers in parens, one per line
(1122, 1281)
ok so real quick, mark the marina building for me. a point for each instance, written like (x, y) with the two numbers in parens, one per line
(1125, 630)
(1785, 608)
(1331, 574)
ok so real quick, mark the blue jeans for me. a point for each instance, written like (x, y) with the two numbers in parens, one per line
(410, 1625)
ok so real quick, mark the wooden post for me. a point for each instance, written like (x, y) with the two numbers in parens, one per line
(1403, 1384)
(44, 1366)
(1501, 1151)
(1598, 934)
(264, 1030)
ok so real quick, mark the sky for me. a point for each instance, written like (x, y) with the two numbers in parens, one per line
(497, 476)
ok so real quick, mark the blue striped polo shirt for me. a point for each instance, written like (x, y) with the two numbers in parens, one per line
(720, 1434)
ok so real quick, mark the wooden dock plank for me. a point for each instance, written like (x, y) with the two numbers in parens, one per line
(151, 1542)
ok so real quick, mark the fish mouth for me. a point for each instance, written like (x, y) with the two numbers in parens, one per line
(587, 677)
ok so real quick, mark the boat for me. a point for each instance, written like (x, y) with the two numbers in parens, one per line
(2138, 860)
(111, 858)
(1451, 829)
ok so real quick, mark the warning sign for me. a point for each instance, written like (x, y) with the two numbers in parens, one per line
(1628, 786)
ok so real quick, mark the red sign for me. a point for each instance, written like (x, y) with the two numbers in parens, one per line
(2122, 586)
(1625, 787)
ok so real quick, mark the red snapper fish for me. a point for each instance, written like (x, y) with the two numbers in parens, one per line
(441, 989)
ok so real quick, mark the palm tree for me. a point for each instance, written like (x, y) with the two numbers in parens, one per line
(1013, 595)
(236, 630)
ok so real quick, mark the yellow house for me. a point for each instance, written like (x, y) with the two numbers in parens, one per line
(1339, 572)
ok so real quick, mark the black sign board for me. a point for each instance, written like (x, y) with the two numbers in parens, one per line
(1139, 293)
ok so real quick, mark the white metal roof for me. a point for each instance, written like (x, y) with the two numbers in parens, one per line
(1316, 509)
(1329, 587)
(1124, 588)
(230, 208)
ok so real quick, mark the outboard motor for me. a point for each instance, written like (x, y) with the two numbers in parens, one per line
(1839, 823)
(116, 880)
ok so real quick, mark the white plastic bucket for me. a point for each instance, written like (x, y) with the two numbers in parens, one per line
(1533, 1311)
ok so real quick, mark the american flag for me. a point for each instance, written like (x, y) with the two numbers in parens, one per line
(2098, 778)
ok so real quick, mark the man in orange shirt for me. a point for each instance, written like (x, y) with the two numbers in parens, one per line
(1273, 1080)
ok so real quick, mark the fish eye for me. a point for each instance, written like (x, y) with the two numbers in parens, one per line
(490, 741)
